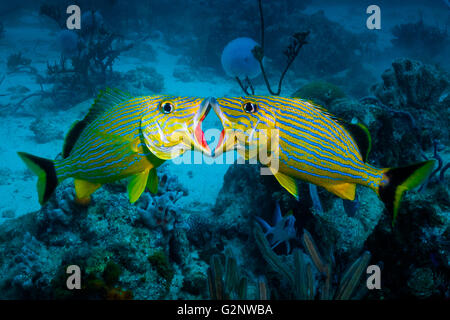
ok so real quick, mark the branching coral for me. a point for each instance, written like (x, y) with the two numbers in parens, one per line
(297, 41)
(87, 57)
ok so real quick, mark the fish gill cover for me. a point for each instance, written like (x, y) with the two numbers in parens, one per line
(126, 104)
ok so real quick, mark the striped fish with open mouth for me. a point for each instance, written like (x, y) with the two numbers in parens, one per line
(123, 136)
(313, 146)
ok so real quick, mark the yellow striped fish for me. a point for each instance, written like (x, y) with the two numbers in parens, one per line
(313, 146)
(123, 136)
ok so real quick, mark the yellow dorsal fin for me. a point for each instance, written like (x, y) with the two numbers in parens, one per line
(343, 190)
(286, 182)
(105, 100)
(137, 185)
(84, 189)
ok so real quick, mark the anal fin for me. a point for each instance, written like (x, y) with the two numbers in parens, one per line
(137, 185)
(287, 182)
(83, 191)
(343, 190)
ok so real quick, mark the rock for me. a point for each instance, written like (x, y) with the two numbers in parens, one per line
(244, 195)
(421, 282)
(142, 80)
(45, 131)
(9, 214)
(347, 234)
(412, 84)
(413, 105)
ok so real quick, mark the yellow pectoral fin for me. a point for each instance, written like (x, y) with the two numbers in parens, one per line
(84, 189)
(343, 190)
(152, 182)
(137, 185)
(287, 182)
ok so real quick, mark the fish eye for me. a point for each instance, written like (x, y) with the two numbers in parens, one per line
(250, 107)
(167, 107)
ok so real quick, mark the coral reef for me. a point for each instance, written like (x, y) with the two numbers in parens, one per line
(120, 257)
(161, 263)
(333, 225)
(160, 211)
(420, 240)
(96, 285)
(348, 233)
(414, 85)
(416, 95)
(422, 283)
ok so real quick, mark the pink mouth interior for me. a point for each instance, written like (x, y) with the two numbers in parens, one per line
(199, 135)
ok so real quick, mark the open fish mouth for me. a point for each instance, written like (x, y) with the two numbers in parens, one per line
(224, 137)
(228, 139)
(198, 135)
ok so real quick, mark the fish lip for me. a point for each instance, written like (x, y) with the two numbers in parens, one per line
(224, 135)
(198, 134)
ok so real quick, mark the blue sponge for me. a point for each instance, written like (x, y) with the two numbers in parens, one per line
(238, 60)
